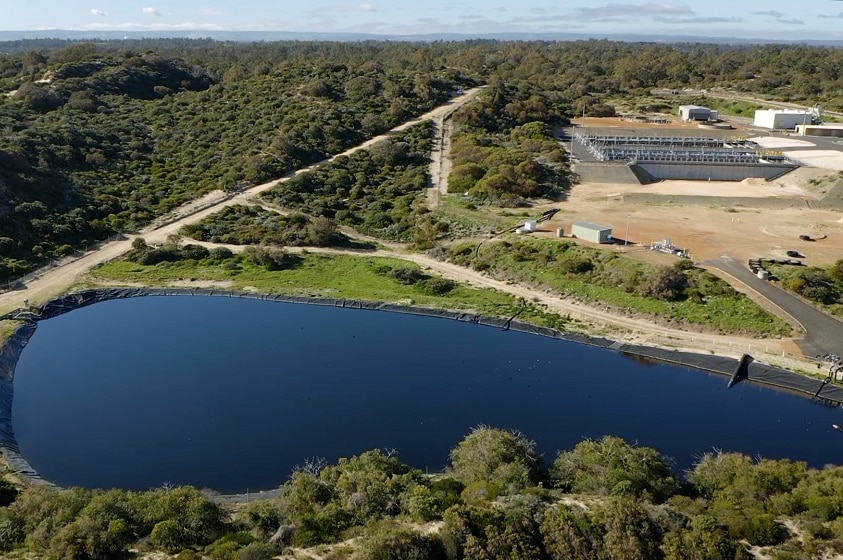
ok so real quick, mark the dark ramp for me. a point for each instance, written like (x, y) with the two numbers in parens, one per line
(606, 172)
(742, 371)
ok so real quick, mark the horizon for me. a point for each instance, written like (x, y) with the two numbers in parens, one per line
(817, 20)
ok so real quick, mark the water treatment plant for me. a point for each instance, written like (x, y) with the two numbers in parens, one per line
(652, 158)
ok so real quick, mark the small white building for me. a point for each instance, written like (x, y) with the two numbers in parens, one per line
(690, 113)
(530, 226)
(591, 232)
(778, 119)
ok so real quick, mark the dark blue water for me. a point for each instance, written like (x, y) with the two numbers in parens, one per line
(231, 394)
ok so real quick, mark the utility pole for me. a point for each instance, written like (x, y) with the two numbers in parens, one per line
(626, 237)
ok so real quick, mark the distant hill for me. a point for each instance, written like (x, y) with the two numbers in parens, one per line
(249, 36)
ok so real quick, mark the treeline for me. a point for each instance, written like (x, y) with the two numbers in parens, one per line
(499, 161)
(97, 142)
(683, 293)
(376, 190)
(498, 499)
(101, 138)
(240, 224)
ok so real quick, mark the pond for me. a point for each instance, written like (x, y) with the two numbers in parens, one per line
(231, 394)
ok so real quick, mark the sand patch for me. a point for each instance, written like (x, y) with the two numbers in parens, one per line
(827, 159)
(216, 284)
(780, 142)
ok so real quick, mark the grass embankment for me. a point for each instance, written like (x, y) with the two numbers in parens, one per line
(333, 276)
(700, 301)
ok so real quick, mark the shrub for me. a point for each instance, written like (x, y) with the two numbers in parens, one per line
(438, 286)
(575, 264)
(407, 275)
(220, 253)
(764, 530)
(271, 258)
(195, 252)
(668, 284)
(258, 551)
(399, 544)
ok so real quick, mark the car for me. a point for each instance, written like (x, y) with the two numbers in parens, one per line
(795, 254)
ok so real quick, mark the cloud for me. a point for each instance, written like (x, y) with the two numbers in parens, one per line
(779, 17)
(209, 12)
(614, 12)
(771, 13)
(831, 16)
(697, 19)
(97, 12)
(368, 8)
(129, 26)
(152, 12)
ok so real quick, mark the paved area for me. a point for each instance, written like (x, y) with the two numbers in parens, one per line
(824, 333)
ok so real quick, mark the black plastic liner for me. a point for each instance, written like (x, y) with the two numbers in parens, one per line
(736, 370)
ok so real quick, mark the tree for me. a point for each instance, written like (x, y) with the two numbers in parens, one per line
(707, 540)
(387, 543)
(629, 534)
(611, 466)
(83, 100)
(569, 534)
(323, 232)
(502, 458)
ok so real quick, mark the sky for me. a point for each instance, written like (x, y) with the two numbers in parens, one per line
(777, 19)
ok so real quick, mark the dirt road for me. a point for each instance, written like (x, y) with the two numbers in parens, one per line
(440, 155)
(59, 279)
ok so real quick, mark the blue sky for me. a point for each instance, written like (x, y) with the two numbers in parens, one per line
(783, 19)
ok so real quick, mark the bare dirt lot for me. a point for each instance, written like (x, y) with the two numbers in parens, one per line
(715, 222)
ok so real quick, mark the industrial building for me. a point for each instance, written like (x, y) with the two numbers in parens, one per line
(690, 113)
(782, 119)
(620, 158)
(591, 232)
(833, 130)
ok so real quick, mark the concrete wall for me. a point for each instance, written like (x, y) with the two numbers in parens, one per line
(820, 130)
(712, 172)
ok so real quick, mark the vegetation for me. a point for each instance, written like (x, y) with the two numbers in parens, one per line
(375, 191)
(274, 271)
(252, 225)
(604, 499)
(682, 293)
(504, 150)
(823, 286)
(100, 139)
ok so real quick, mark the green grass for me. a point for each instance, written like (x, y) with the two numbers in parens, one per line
(533, 261)
(320, 275)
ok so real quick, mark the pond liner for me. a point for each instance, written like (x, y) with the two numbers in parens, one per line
(821, 391)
